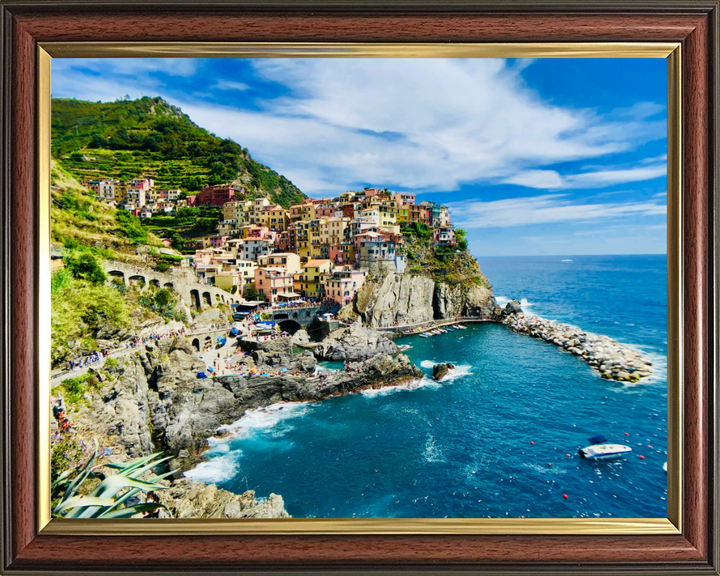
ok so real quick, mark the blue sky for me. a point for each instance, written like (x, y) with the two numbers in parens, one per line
(533, 157)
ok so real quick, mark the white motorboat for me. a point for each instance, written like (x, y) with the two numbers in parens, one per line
(604, 451)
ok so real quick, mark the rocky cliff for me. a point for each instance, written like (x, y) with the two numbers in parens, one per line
(153, 401)
(406, 299)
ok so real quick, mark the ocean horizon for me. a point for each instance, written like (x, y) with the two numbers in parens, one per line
(500, 436)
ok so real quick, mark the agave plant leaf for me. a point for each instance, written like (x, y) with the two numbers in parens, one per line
(113, 484)
(132, 510)
(128, 467)
(81, 477)
(82, 501)
(138, 471)
(107, 489)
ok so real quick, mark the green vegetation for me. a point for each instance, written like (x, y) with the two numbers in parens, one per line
(109, 498)
(249, 293)
(150, 138)
(185, 223)
(444, 264)
(416, 230)
(64, 451)
(130, 226)
(84, 266)
(74, 389)
(162, 302)
(79, 308)
(80, 221)
(461, 238)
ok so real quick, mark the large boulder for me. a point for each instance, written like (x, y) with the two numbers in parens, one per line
(354, 343)
(512, 307)
(441, 370)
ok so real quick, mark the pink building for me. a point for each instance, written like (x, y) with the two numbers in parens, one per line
(445, 236)
(218, 241)
(141, 184)
(335, 253)
(273, 283)
(343, 284)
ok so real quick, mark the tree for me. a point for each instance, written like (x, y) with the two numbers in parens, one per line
(250, 293)
(461, 237)
(84, 266)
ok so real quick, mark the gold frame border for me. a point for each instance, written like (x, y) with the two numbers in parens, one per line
(304, 526)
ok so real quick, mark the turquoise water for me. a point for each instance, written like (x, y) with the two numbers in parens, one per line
(493, 440)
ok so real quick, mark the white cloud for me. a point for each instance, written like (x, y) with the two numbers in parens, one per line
(230, 85)
(544, 209)
(552, 180)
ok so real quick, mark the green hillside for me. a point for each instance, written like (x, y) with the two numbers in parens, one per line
(150, 138)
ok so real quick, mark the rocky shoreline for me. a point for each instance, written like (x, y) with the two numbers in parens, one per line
(614, 361)
(153, 400)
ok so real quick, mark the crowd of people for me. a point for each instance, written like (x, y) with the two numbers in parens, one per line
(90, 360)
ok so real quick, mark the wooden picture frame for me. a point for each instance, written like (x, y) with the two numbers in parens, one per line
(28, 546)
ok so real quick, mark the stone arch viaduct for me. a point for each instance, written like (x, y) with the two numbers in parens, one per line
(182, 281)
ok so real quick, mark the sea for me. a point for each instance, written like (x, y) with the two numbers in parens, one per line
(498, 438)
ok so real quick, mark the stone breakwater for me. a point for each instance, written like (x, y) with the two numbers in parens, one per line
(613, 360)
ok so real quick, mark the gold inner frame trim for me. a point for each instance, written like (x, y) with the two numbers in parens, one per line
(300, 526)
(356, 50)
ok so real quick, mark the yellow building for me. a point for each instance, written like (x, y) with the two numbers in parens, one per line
(288, 260)
(387, 216)
(307, 212)
(311, 278)
(275, 218)
(332, 230)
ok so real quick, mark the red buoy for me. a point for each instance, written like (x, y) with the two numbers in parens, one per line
(531, 442)
(549, 464)
(649, 446)
(626, 434)
(568, 455)
(565, 496)
(642, 457)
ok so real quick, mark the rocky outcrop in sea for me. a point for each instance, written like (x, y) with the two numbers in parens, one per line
(613, 360)
(354, 343)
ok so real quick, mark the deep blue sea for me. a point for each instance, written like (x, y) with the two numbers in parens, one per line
(498, 439)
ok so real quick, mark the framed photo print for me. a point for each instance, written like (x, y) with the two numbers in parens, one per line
(365, 288)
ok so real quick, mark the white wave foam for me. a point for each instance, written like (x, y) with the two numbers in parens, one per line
(423, 382)
(263, 419)
(218, 469)
(502, 300)
(458, 372)
(432, 452)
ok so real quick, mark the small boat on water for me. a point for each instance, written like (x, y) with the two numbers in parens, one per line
(424, 335)
(598, 450)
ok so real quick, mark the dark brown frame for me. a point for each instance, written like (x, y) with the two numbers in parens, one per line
(24, 24)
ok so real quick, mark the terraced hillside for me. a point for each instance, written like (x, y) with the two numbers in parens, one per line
(151, 138)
